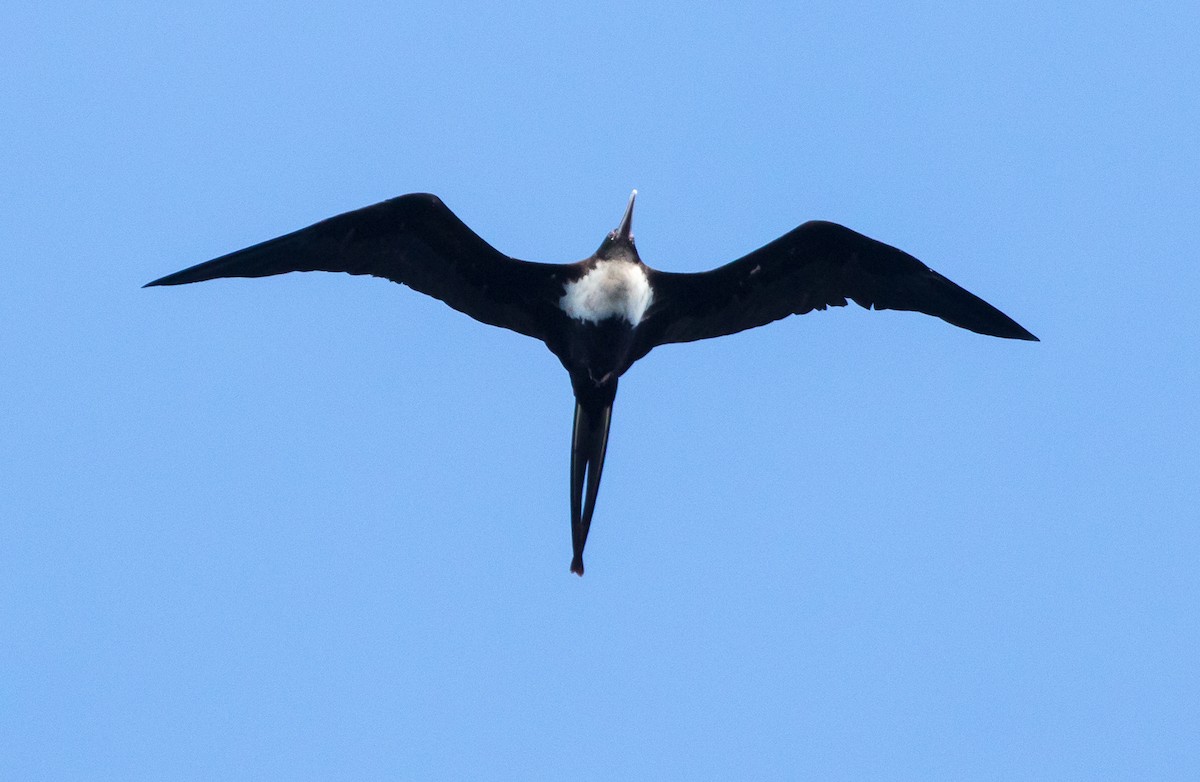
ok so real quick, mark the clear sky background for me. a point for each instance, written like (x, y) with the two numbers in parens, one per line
(316, 526)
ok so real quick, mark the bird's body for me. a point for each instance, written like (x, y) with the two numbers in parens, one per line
(600, 315)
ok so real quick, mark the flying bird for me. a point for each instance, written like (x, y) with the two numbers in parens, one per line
(600, 315)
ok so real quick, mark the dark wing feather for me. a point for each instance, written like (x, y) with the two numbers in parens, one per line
(414, 240)
(815, 266)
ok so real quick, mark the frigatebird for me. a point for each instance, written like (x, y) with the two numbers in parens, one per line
(600, 315)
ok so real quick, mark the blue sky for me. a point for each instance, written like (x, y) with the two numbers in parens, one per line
(316, 527)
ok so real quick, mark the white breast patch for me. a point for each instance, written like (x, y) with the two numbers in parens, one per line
(612, 289)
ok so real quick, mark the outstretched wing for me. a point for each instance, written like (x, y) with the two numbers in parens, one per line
(414, 240)
(815, 266)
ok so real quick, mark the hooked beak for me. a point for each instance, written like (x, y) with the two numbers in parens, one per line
(624, 231)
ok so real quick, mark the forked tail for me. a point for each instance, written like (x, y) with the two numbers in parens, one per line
(589, 440)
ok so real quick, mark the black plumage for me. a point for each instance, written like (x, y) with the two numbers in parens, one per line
(626, 308)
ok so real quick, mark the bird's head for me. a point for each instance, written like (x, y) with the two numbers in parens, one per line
(618, 245)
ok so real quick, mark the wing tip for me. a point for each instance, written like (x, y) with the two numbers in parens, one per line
(178, 278)
(1010, 330)
(1013, 330)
